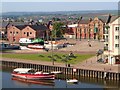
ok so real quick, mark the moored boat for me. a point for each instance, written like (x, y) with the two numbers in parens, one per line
(31, 74)
(41, 82)
(57, 72)
(35, 46)
(75, 81)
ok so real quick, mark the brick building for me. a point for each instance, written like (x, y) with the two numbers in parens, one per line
(88, 28)
(14, 33)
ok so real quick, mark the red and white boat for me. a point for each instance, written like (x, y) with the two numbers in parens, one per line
(35, 46)
(31, 74)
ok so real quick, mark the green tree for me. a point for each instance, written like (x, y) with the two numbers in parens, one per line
(58, 30)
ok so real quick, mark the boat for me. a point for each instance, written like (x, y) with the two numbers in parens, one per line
(74, 81)
(27, 41)
(35, 46)
(32, 74)
(57, 72)
(40, 82)
(7, 46)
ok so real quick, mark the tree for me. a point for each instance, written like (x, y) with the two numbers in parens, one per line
(57, 29)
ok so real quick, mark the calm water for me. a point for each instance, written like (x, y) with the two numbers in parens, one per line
(7, 82)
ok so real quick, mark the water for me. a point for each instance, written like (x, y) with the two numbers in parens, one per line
(7, 82)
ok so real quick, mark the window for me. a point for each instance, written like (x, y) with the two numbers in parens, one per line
(10, 32)
(30, 32)
(117, 28)
(27, 34)
(117, 37)
(16, 32)
(116, 45)
(24, 33)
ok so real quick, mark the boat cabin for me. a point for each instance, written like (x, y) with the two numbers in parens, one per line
(24, 70)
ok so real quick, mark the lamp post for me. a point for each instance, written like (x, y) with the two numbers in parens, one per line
(52, 50)
(76, 33)
(110, 58)
(80, 34)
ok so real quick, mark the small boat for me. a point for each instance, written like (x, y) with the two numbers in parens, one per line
(75, 81)
(31, 74)
(57, 72)
(35, 46)
(7, 46)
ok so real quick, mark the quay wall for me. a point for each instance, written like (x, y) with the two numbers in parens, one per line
(65, 70)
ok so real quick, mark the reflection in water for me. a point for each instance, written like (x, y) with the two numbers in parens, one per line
(29, 82)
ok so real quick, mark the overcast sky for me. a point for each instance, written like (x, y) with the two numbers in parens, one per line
(56, 6)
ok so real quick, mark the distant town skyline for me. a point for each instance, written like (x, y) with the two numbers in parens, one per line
(57, 6)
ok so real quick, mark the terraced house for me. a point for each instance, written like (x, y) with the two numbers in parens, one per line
(14, 33)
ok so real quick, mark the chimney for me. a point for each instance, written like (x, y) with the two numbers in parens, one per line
(109, 18)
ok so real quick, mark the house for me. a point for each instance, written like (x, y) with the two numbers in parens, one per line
(14, 33)
(112, 43)
(71, 31)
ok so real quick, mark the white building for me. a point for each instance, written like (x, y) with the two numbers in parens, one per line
(112, 43)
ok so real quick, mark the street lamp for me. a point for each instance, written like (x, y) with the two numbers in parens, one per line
(80, 33)
(110, 58)
(76, 33)
(52, 49)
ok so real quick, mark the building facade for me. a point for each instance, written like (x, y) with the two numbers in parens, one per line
(112, 44)
(87, 29)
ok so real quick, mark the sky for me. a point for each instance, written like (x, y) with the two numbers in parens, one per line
(72, 5)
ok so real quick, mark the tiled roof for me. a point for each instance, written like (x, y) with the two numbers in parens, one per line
(104, 18)
(20, 26)
(84, 21)
(35, 27)
(4, 24)
(113, 18)
(38, 27)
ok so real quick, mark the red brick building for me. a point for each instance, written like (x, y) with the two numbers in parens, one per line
(87, 29)
(14, 33)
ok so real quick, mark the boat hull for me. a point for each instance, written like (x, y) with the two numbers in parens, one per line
(41, 82)
(34, 77)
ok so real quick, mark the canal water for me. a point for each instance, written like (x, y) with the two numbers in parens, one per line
(59, 82)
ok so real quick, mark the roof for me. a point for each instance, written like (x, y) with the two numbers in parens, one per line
(85, 21)
(4, 24)
(20, 26)
(35, 27)
(113, 18)
(104, 18)
(38, 27)
(25, 70)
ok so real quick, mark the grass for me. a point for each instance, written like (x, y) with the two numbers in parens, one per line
(47, 57)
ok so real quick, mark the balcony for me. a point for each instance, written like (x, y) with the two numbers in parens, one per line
(106, 40)
(105, 32)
